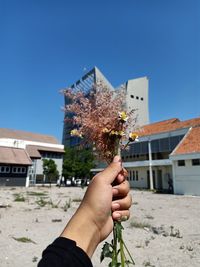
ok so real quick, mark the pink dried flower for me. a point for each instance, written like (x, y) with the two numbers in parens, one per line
(100, 118)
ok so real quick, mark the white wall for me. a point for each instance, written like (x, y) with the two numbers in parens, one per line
(138, 88)
(186, 178)
(18, 143)
(142, 176)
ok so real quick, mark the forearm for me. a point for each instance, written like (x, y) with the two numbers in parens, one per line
(83, 231)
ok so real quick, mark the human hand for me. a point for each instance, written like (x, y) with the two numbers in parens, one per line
(102, 204)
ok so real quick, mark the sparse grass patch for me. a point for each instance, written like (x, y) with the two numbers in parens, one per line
(54, 205)
(19, 198)
(77, 199)
(41, 202)
(56, 220)
(67, 204)
(150, 217)
(5, 206)
(34, 259)
(141, 225)
(37, 194)
(139, 246)
(189, 248)
(23, 240)
(175, 232)
(148, 263)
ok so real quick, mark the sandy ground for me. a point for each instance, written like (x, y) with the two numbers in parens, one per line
(164, 230)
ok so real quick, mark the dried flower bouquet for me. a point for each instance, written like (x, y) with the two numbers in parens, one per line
(100, 119)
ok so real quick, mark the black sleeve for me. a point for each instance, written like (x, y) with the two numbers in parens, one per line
(63, 252)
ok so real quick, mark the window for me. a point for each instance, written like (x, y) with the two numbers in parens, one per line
(132, 96)
(164, 144)
(19, 169)
(136, 148)
(144, 147)
(137, 97)
(130, 175)
(142, 98)
(4, 169)
(174, 140)
(136, 175)
(23, 170)
(181, 163)
(195, 162)
(133, 175)
(155, 146)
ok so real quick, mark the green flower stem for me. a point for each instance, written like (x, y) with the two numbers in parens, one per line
(132, 261)
(122, 253)
(114, 258)
(126, 144)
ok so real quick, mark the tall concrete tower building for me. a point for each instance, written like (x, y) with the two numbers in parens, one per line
(136, 98)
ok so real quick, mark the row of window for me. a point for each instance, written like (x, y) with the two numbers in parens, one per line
(137, 97)
(133, 175)
(157, 146)
(131, 156)
(51, 155)
(195, 162)
(7, 169)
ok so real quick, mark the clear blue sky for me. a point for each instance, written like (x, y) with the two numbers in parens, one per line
(46, 44)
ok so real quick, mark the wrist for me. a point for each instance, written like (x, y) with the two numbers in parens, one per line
(83, 231)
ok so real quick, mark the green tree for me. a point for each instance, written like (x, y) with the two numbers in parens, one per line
(78, 162)
(50, 170)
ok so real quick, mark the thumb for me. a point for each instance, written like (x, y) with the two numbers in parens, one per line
(111, 172)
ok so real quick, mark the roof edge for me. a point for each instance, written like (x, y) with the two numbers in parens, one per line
(180, 143)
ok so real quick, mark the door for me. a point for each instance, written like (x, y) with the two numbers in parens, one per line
(159, 180)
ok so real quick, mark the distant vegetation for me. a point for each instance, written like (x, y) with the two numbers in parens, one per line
(78, 162)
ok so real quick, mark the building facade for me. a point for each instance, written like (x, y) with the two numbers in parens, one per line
(22, 154)
(186, 163)
(166, 158)
(137, 98)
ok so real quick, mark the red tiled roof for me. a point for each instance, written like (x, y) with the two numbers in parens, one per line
(190, 143)
(21, 135)
(168, 125)
(9, 155)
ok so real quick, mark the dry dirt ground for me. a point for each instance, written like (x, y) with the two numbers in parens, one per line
(163, 231)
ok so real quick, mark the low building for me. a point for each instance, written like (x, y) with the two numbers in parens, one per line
(186, 163)
(21, 155)
(167, 157)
